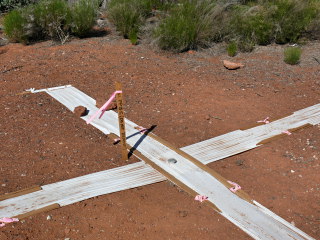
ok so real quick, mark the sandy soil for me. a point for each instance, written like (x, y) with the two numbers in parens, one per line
(190, 97)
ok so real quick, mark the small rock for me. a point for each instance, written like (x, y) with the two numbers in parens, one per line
(80, 111)
(67, 239)
(67, 230)
(49, 217)
(231, 65)
(292, 171)
(112, 106)
(239, 162)
(183, 213)
(207, 117)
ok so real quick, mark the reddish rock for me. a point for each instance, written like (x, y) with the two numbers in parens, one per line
(231, 65)
(112, 106)
(80, 111)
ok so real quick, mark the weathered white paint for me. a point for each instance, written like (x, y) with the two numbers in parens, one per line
(256, 220)
(81, 188)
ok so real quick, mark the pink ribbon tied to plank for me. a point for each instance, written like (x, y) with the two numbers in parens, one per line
(5, 220)
(201, 198)
(141, 129)
(287, 132)
(266, 120)
(103, 108)
(235, 187)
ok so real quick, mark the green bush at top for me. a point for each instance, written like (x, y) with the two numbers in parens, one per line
(189, 26)
(250, 26)
(83, 16)
(15, 25)
(53, 19)
(279, 21)
(292, 55)
(6, 5)
(129, 15)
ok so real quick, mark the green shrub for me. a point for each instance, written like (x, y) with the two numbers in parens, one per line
(232, 49)
(280, 21)
(128, 15)
(251, 26)
(15, 25)
(51, 17)
(189, 26)
(292, 55)
(291, 18)
(163, 5)
(6, 5)
(126, 18)
(83, 16)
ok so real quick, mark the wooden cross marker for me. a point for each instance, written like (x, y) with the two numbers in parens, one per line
(122, 127)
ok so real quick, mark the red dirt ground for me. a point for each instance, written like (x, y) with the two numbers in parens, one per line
(190, 97)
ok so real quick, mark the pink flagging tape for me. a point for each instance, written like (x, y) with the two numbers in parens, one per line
(201, 198)
(141, 129)
(266, 120)
(287, 132)
(103, 108)
(5, 220)
(235, 187)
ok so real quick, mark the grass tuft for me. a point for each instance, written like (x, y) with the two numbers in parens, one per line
(15, 24)
(232, 49)
(83, 16)
(53, 19)
(292, 55)
(129, 15)
(189, 26)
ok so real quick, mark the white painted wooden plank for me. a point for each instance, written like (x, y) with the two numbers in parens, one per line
(81, 188)
(72, 97)
(212, 149)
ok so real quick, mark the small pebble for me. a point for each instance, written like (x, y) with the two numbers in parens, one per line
(183, 213)
(80, 111)
(49, 217)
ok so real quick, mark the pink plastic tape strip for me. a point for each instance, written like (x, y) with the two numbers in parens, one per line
(5, 220)
(287, 132)
(201, 198)
(103, 108)
(235, 187)
(266, 120)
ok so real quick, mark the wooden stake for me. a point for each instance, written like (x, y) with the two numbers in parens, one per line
(122, 128)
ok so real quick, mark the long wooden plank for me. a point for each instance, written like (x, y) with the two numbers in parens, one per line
(83, 100)
(248, 216)
(212, 149)
(81, 188)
